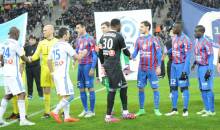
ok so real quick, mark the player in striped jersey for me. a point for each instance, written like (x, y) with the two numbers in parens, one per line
(204, 59)
(180, 68)
(149, 66)
(86, 69)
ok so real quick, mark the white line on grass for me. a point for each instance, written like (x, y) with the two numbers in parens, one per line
(38, 112)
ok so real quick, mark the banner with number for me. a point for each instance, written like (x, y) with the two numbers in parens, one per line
(130, 21)
(19, 22)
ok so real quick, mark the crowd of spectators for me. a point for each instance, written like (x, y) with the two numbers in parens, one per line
(85, 11)
(37, 12)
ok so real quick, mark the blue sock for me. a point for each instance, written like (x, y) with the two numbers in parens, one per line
(185, 99)
(210, 96)
(205, 100)
(174, 98)
(156, 99)
(83, 97)
(92, 100)
(141, 99)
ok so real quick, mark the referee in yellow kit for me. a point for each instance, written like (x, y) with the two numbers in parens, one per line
(43, 49)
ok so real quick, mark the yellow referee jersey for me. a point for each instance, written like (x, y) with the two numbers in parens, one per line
(43, 50)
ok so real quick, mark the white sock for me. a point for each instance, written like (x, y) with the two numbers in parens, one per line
(3, 107)
(125, 112)
(108, 116)
(21, 108)
(60, 105)
(66, 110)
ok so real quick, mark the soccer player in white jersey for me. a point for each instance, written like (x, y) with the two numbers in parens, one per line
(11, 52)
(58, 63)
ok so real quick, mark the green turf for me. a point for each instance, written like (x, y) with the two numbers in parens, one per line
(146, 122)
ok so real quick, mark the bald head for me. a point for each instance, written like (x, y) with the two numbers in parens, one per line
(48, 31)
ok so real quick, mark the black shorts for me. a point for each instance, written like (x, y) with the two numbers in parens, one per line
(116, 77)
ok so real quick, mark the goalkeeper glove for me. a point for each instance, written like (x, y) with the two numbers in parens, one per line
(207, 75)
(183, 76)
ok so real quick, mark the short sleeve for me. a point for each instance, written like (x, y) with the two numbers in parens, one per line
(19, 50)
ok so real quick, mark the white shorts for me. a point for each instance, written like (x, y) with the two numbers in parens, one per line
(13, 85)
(63, 85)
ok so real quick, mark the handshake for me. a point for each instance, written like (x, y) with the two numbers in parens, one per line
(29, 59)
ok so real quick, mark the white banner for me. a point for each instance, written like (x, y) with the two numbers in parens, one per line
(130, 21)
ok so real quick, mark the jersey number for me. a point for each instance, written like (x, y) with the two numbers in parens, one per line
(56, 54)
(108, 43)
(6, 52)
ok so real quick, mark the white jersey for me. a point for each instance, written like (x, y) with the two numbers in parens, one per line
(60, 53)
(11, 52)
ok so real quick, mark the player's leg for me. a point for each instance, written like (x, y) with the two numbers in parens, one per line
(168, 75)
(36, 73)
(69, 97)
(17, 88)
(3, 106)
(30, 80)
(124, 99)
(174, 90)
(81, 86)
(15, 113)
(185, 92)
(111, 97)
(200, 74)
(46, 84)
(207, 87)
(141, 83)
(154, 85)
(90, 85)
(183, 84)
(47, 101)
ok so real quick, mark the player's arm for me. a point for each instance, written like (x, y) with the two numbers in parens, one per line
(218, 62)
(94, 57)
(209, 50)
(158, 52)
(37, 53)
(1, 58)
(50, 62)
(123, 47)
(101, 56)
(136, 49)
(188, 49)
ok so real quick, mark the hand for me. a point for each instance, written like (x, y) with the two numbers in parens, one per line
(218, 67)
(73, 65)
(193, 66)
(29, 59)
(82, 53)
(158, 70)
(91, 72)
(130, 58)
(103, 70)
(207, 75)
(183, 76)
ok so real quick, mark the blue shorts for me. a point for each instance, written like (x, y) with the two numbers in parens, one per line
(144, 75)
(175, 74)
(83, 78)
(204, 85)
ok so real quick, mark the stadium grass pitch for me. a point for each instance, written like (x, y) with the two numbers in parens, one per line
(146, 122)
